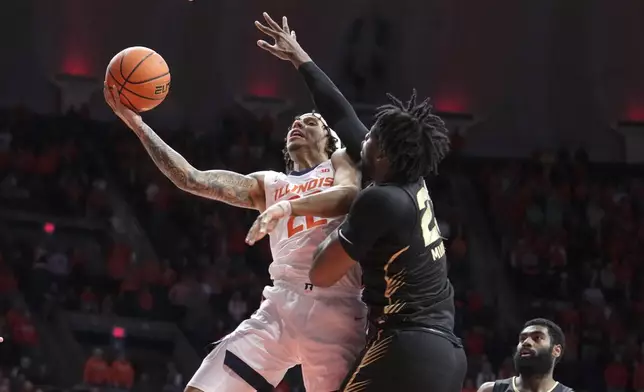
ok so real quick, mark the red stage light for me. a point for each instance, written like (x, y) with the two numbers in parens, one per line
(118, 332)
(49, 228)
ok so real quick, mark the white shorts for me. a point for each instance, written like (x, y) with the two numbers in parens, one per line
(292, 326)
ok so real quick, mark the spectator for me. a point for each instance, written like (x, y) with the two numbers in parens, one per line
(97, 371)
(146, 301)
(150, 272)
(168, 275)
(118, 261)
(469, 386)
(638, 375)
(507, 367)
(58, 265)
(89, 302)
(122, 373)
(616, 376)
(485, 375)
(174, 379)
(475, 342)
(23, 331)
(8, 283)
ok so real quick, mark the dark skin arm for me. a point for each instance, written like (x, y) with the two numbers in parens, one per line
(330, 262)
(232, 188)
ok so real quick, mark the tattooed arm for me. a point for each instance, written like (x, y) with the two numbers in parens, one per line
(222, 185)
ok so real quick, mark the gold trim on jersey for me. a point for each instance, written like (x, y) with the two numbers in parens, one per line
(376, 351)
(514, 385)
(393, 284)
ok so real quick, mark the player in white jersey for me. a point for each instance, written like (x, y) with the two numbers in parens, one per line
(294, 240)
(320, 328)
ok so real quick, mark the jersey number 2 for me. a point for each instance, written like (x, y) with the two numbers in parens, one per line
(309, 221)
(429, 236)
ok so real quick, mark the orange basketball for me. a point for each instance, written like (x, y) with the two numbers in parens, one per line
(141, 77)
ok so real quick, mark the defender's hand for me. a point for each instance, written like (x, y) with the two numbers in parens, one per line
(129, 117)
(286, 46)
(266, 221)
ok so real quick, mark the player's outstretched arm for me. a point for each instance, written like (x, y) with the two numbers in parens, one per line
(330, 203)
(222, 185)
(335, 108)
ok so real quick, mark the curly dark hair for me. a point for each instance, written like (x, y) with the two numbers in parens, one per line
(413, 138)
(331, 145)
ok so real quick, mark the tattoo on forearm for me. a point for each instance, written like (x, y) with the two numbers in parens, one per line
(221, 185)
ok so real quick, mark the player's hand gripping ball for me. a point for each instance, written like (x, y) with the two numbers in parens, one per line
(142, 78)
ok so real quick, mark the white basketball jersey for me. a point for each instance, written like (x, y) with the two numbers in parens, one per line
(295, 239)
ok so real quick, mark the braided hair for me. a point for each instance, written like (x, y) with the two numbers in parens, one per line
(329, 149)
(413, 139)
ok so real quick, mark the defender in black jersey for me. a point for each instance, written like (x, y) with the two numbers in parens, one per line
(541, 345)
(392, 232)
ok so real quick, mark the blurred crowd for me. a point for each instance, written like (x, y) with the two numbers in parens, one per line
(572, 237)
(569, 232)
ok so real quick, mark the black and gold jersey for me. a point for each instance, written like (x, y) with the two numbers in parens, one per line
(509, 385)
(392, 231)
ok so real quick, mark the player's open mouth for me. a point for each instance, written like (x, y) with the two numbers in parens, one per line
(527, 353)
(295, 134)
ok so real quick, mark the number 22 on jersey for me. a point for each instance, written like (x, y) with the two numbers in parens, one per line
(309, 221)
(433, 235)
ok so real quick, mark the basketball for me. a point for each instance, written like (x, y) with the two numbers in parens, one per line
(141, 77)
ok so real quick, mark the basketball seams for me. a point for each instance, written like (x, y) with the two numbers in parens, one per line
(114, 78)
(130, 104)
(121, 72)
(151, 79)
(150, 58)
(126, 79)
(133, 92)
(122, 57)
(155, 62)
(146, 69)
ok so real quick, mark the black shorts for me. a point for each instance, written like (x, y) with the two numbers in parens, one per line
(409, 360)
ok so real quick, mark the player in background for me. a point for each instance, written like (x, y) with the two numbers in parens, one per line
(541, 345)
(392, 233)
(320, 328)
